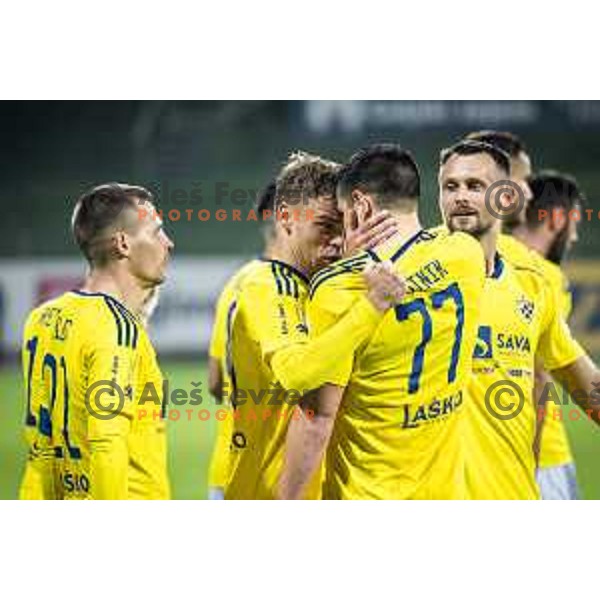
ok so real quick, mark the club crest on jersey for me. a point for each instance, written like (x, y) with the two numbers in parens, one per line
(526, 309)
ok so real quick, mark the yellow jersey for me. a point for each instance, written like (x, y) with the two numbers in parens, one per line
(90, 371)
(218, 474)
(265, 314)
(517, 323)
(272, 362)
(555, 449)
(398, 432)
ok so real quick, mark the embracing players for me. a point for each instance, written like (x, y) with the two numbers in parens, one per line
(391, 415)
(273, 359)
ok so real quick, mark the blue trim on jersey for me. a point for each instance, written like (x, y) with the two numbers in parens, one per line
(290, 267)
(131, 326)
(103, 295)
(228, 351)
(126, 335)
(117, 318)
(498, 267)
(406, 245)
(277, 279)
(374, 256)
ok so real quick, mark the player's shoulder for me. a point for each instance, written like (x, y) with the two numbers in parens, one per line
(554, 274)
(525, 263)
(515, 252)
(271, 276)
(343, 274)
(235, 281)
(456, 251)
(246, 270)
(47, 311)
(459, 242)
(106, 319)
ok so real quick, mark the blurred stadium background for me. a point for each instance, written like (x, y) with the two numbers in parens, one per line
(193, 155)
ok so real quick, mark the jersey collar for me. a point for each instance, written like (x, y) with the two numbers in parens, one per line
(294, 270)
(401, 250)
(498, 267)
(102, 295)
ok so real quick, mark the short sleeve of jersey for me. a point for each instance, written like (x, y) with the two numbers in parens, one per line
(274, 315)
(329, 302)
(557, 347)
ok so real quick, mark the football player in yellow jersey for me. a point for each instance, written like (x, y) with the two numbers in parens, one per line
(545, 242)
(392, 411)
(364, 236)
(87, 358)
(220, 461)
(518, 322)
(271, 360)
(556, 474)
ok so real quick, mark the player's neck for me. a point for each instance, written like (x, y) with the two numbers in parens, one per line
(118, 284)
(489, 243)
(531, 239)
(407, 224)
(284, 253)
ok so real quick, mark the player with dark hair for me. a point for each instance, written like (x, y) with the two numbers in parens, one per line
(520, 323)
(548, 228)
(373, 232)
(547, 235)
(524, 244)
(87, 359)
(272, 358)
(389, 418)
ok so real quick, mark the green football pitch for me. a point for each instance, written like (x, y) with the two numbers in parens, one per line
(191, 441)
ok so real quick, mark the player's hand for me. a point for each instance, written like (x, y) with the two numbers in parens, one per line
(371, 233)
(385, 288)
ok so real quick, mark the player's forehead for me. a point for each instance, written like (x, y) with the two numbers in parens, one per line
(326, 214)
(473, 166)
(325, 208)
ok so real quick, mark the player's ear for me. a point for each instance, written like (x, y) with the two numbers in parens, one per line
(286, 221)
(507, 199)
(121, 244)
(555, 223)
(363, 205)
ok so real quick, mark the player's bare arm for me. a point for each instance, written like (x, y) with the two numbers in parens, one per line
(308, 437)
(307, 440)
(582, 380)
